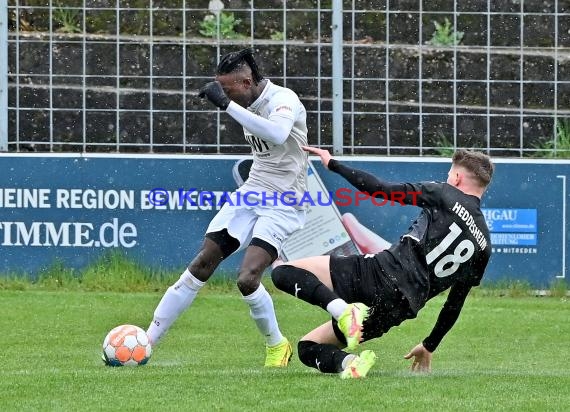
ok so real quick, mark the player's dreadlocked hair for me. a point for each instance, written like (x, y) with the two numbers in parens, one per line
(235, 61)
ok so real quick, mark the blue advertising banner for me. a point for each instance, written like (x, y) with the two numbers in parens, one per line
(511, 220)
(155, 209)
(525, 208)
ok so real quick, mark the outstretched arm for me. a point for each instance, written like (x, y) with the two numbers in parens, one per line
(447, 316)
(422, 353)
(360, 179)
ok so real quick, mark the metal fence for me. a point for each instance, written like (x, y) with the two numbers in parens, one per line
(377, 77)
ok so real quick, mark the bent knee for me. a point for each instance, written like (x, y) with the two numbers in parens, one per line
(305, 353)
(248, 281)
(278, 276)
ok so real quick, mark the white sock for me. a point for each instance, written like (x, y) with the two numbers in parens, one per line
(336, 307)
(347, 359)
(262, 312)
(175, 300)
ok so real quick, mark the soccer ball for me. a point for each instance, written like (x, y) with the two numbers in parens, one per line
(126, 345)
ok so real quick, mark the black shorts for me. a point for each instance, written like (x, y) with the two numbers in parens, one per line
(361, 279)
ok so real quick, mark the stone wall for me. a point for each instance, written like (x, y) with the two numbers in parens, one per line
(472, 89)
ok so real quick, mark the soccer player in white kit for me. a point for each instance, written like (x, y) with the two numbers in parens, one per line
(254, 218)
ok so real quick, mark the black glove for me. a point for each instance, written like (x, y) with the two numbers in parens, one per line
(214, 92)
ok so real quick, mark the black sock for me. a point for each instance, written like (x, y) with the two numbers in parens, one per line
(302, 284)
(325, 357)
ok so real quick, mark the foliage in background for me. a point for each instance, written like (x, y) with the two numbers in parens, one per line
(68, 20)
(444, 147)
(559, 147)
(116, 273)
(277, 35)
(559, 288)
(445, 34)
(226, 27)
(112, 272)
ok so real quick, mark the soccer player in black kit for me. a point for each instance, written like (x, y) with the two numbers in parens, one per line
(447, 247)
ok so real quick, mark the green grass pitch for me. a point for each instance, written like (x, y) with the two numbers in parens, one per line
(504, 354)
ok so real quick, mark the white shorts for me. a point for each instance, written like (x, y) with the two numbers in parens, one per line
(273, 224)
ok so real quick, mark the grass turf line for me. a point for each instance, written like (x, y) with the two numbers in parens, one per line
(503, 354)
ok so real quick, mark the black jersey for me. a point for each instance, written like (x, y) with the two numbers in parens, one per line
(447, 246)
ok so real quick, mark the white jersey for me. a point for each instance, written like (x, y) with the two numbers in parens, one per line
(279, 168)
